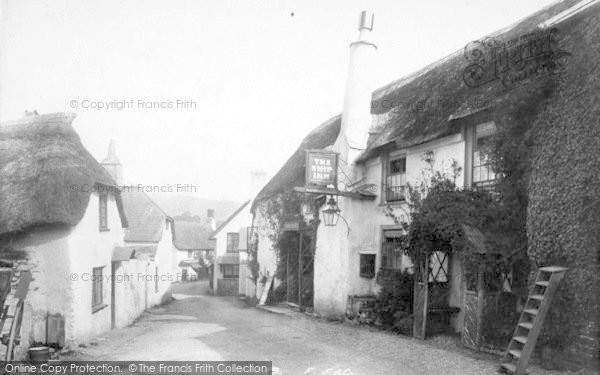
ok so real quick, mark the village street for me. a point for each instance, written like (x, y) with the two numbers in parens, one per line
(198, 326)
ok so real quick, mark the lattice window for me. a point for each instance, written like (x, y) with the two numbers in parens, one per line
(438, 267)
(367, 265)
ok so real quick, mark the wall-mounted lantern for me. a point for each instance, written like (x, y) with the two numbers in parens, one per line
(331, 213)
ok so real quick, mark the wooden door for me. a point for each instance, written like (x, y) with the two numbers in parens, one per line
(421, 296)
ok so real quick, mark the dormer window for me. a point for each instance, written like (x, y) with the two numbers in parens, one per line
(395, 179)
(103, 212)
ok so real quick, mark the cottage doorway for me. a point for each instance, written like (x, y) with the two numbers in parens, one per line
(432, 288)
(299, 263)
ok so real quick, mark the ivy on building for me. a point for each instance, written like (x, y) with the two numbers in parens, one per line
(279, 210)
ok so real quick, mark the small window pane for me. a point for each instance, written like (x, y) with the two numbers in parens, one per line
(230, 271)
(392, 250)
(438, 267)
(367, 265)
(396, 180)
(97, 287)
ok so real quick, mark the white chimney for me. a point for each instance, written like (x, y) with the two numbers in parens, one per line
(356, 113)
(212, 220)
(112, 164)
(257, 182)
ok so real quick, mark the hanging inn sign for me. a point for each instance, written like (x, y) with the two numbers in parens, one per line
(321, 176)
(321, 169)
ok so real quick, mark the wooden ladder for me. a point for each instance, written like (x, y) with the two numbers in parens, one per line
(531, 321)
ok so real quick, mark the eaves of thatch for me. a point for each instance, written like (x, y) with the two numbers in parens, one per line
(434, 102)
(46, 175)
(292, 172)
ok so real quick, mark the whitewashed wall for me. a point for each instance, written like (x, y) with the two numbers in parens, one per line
(337, 256)
(89, 248)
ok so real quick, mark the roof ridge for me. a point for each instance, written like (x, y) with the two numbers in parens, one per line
(229, 219)
(415, 74)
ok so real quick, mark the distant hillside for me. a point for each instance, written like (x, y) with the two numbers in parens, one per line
(176, 204)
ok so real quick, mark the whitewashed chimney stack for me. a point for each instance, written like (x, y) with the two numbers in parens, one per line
(356, 112)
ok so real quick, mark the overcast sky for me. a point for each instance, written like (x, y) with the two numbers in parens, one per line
(262, 74)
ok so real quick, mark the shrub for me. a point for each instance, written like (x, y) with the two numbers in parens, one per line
(393, 306)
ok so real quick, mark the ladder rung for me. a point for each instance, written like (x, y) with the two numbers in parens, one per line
(521, 339)
(531, 311)
(509, 367)
(526, 325)
(552, 269)
(542, 283)
(538, 297)
(515, 353)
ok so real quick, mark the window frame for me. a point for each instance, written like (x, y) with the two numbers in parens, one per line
(389, 195)
(439, 267)
(103, 212)
(97, 289)
(367, 268)
(384, 257)
(234, 245)
(474, 133)
(233, 274)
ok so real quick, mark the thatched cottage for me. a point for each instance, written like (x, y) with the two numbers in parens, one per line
(61, 217)
(544, 85)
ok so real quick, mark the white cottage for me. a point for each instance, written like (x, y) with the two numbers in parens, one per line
(62, 218)
(144, 267)
(231, 248)
(234, 253)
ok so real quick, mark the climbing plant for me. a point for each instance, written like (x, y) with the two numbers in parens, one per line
(287, 207)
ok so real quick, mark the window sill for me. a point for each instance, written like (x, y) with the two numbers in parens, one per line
(97, 308)
(104, 229)
(367, 276)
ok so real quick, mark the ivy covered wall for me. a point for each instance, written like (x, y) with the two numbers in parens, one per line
(563, 221)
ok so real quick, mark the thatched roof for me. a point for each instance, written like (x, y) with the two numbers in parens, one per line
(428, 104)
(292, 172)
(46, 175)
(146, 220)
(193, 235)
